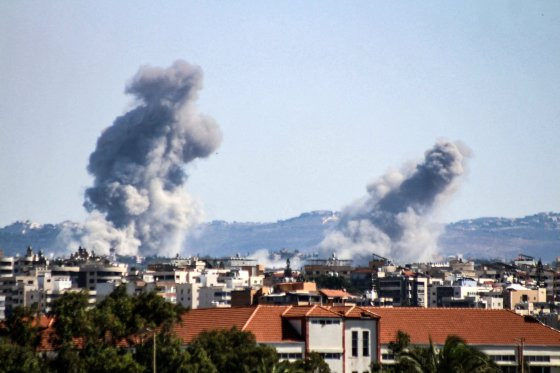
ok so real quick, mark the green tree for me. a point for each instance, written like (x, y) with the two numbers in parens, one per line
(72, 318)
(171, 357)
(68, 360)
(109, 359)
(234, 350)
(313, 363)
(16, 358)
(89, 338)
(20, 327)
(454, 356)
(120, 315)
(156, 311)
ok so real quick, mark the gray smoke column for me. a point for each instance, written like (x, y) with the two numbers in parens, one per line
(138, 203)
(394, 219)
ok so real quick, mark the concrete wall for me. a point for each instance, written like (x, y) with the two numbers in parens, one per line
(360, 363)
(325, 337)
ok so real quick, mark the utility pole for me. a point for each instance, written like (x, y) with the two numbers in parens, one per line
(148, 330)
(154, 354)
(521, 354)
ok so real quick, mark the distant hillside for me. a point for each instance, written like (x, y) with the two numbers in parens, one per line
(537, 235)
(302, 233)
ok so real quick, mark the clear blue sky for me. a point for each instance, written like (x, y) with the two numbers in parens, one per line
(315, 98)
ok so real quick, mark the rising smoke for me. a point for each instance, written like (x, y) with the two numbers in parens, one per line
(393, 220)
(138, 203)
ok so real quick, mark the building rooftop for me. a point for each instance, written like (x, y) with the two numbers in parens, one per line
(265, 322)
(475, 326)
(335, 293)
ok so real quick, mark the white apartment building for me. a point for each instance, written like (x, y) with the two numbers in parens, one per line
(346, 337)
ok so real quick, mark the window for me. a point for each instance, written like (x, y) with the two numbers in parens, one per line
(538, 358)
(354, 343)
(325, 322)
(386, 357)
(330, 355)
(365, 343)
(503, 357)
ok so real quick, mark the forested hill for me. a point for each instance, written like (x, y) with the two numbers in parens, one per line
(537, 235)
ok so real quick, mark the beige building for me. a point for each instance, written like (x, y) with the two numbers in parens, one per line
(522, 299)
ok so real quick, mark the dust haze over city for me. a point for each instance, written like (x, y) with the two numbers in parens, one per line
(140, 123)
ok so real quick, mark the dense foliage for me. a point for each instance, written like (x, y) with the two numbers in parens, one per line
(117, 335)
(454, 356)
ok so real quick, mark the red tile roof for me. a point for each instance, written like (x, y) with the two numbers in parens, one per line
(271, 324)
(335, 293)
(197, 321)
(267, 325)
(353, 312)
(310, 311)
(300, 311)
(475, 326)
(265, 322)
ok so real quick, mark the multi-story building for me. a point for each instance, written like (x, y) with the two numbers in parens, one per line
(346, 337)
(406, 289)
(351, 338)
(509, 339)
(2, 307)
(523, 300)
(7, 266)
(328, 267)
(464, 292)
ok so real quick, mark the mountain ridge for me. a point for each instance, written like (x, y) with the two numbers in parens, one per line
(537, 235)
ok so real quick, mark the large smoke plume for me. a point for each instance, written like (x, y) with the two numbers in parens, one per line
(138, 203)
(393, 220)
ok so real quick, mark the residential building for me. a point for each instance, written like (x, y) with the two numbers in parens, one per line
(350, 338)
(406, 289)
(505, 336)
(524, 300)
(328, 267)
(346, 337)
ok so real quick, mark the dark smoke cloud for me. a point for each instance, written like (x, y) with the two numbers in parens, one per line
(393, 220)
(137, 203)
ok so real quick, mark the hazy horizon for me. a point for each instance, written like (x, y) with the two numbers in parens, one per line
(315, 100)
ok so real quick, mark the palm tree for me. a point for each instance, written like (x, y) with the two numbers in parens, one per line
(454, 356)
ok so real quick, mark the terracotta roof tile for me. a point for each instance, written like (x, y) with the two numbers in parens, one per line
(267, 325)
(197, 321)
(475, 326)
(320, 311)
(271, 324)
(265, 322)
(335, 293)
(298, 311)
(353, 312)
